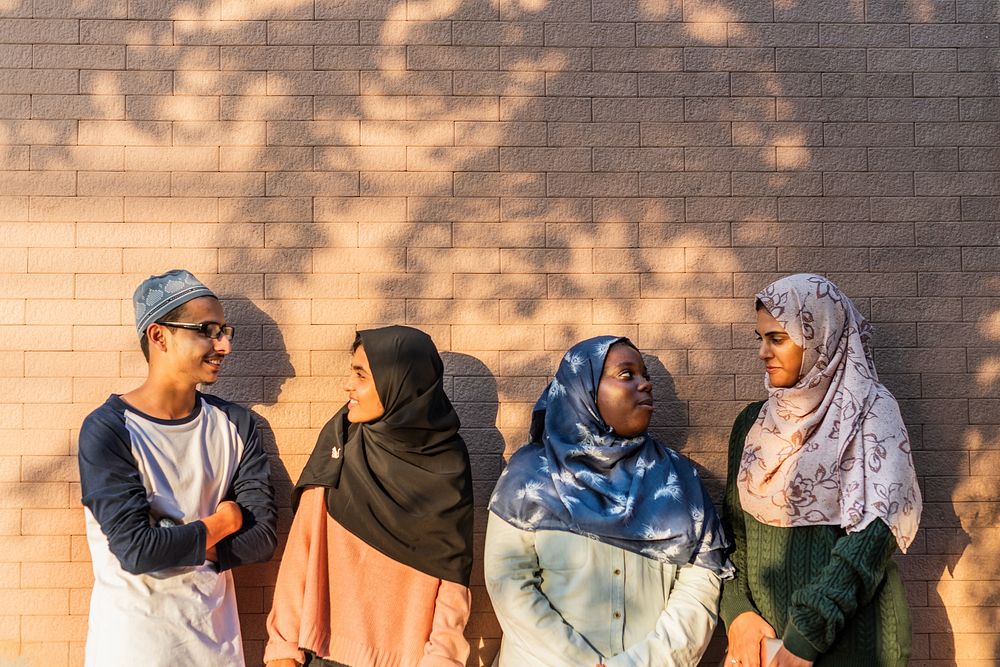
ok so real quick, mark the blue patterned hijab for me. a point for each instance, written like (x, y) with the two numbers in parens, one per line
(576, 475)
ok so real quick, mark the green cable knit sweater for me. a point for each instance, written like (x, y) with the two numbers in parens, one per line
(834, 598)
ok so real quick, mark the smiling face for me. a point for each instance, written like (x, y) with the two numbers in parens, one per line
(625, 394)
(188, 354)
(363, 402)
(781, 356)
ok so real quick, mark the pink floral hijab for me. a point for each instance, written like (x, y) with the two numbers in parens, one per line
(832, 449)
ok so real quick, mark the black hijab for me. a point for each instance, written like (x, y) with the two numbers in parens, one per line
(401, 483)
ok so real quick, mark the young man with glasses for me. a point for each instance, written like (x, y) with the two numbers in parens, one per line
(176, 492)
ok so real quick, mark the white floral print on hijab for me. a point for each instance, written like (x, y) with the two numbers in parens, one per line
(832, 449)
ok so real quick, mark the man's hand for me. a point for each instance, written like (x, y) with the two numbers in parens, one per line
(746, 640)
(232, 514)
(226, 520)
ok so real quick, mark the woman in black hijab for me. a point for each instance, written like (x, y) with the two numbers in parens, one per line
(376, 569)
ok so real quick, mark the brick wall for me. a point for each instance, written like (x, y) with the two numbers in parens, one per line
(511, 176)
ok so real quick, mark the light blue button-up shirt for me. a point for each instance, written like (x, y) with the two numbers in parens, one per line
(566, 600)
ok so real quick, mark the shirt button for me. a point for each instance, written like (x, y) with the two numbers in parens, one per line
(617, 571)
(618, 614)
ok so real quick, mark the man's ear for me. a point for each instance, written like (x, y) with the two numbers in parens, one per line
(156, 333)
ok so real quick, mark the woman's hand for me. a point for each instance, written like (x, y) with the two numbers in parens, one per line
(284, 662)
(785, 658)
(746, 637)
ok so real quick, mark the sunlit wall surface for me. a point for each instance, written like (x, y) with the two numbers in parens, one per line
(511, 176)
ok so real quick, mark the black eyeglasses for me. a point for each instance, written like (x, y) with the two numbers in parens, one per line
(212, 330)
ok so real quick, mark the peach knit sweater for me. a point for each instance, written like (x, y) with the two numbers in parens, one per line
(348, 602)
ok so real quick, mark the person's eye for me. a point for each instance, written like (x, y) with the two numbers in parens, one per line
(625, 375)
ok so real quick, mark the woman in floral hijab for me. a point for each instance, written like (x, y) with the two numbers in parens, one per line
(821, 491)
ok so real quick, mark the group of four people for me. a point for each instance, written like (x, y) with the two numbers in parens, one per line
(602, 545)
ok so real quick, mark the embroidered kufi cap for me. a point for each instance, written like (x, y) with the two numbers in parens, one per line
(158, 295)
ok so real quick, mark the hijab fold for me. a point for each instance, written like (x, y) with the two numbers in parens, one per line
(577, 475)
(401, 483)
(833, 449)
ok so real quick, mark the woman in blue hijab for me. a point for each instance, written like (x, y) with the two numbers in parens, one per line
(602, 546)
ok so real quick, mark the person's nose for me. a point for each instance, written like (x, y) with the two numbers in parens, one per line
(348, 384)
(646, 385)
(764, 351)
(223, 345)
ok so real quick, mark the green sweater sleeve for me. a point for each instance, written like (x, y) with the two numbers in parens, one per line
(818, 612)
(736, 597)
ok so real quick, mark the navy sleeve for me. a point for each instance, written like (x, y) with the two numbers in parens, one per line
(252, 491)
(114, 494)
